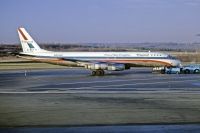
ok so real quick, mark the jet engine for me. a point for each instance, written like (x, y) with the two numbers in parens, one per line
(106, 66)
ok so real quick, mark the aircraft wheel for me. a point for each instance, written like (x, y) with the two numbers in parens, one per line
(93, 73)
(168, 72)
(162, 71)
(99, 73)
(187, 71)
(196, 71)
(102, 72)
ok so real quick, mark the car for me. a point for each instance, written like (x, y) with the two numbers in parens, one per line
(193, 68)
(172, 70)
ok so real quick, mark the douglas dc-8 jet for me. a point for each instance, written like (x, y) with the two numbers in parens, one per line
(97, 62)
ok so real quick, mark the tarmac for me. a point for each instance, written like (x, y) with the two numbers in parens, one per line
(72, 97)
(80, 81)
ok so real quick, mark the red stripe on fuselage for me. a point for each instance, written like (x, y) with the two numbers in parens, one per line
(24, 37)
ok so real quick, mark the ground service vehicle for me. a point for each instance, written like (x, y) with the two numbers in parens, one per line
(173, 70)
(193, 68)
(189, 69)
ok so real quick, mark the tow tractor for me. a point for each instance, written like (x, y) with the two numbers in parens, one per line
(167, 70)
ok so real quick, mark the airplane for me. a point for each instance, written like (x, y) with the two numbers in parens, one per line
(97, 62)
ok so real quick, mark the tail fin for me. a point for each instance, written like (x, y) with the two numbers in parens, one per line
(27, 42)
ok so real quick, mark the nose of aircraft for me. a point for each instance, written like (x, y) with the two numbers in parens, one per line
(176, 63)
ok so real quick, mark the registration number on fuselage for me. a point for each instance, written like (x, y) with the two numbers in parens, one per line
(58, 55)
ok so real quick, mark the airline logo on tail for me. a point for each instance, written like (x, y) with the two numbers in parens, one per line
(28, 44)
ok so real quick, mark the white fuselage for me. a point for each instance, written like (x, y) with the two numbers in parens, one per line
(115, 57)
(31, 48)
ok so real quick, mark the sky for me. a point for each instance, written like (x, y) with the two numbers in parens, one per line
(101, 21)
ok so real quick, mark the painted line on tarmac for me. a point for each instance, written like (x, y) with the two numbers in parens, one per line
(33, 79)
(123, 80)
(93, 82)
(121, 85)
(108, 81)
(101, 92)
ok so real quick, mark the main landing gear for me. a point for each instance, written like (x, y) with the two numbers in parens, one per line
(98, 72)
